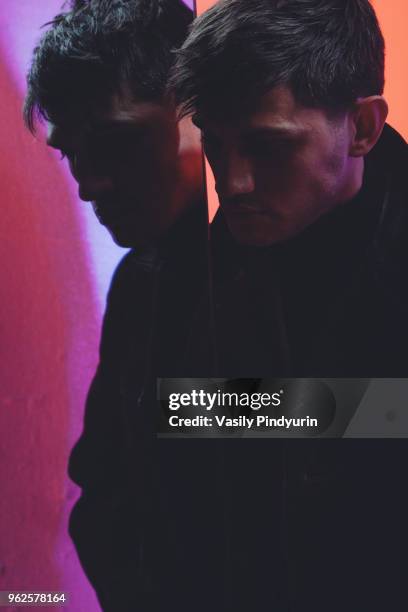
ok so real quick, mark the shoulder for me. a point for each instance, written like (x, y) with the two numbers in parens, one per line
(128, 299)
(131, 271)
(391, 244)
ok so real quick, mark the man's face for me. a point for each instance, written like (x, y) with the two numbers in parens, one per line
(278, 168)
(125, 160)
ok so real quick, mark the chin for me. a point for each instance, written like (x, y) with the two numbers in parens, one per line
(124, 244)
(123, 238)
(130, 238)
(260, 231)
(252, 232)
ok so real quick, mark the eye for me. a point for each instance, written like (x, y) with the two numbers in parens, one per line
(266, 149)
(262, 148)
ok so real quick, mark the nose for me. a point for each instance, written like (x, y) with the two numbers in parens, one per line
(236, 176)
(91, 182)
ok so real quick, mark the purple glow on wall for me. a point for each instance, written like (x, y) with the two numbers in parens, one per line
(20, 25)
(57, 262)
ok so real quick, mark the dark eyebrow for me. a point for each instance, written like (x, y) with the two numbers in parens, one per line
(276, 132)
(280, 132)
(116, 124)
(98, 129)
(116, 128)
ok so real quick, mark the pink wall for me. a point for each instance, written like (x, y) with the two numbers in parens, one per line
(56, 265)
(46, 308)
(55, 270)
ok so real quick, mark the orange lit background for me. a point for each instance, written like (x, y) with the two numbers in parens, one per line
(393, 17)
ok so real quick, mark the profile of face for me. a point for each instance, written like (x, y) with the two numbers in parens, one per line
(125, 159)
(279, 167)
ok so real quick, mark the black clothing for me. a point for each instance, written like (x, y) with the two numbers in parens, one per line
(146, 321)
(313, 524)
(226, 525)
(330, 302)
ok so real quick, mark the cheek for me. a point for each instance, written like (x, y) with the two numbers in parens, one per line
(145, 173)
(163, 145)
(282, 184)
(325, 176)
(328, 159)
(302, 181)
(295, 196)
(160, 164)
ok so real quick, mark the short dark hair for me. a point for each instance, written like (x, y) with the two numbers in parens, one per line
(97, 46)
(329, 52)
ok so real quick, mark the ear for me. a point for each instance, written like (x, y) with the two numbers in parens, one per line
(368, 117)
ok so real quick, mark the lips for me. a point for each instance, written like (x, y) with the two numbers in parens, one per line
(102, 215)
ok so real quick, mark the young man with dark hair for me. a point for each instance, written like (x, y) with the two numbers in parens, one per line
(288, 95)
(310, 254)
(99, 77)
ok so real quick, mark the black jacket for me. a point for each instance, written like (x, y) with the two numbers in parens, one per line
(145, 325)
(298, 525)
(240, 524)
(329, 302)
